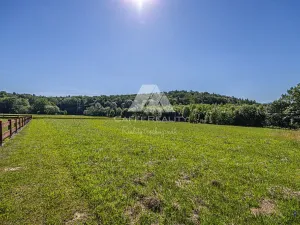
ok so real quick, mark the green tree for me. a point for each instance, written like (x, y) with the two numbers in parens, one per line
(186, 111)
(51, 110)
(118, 111)
(6, 104)
(112, 113)
(39, 105)
(21, 106)
(292, 113)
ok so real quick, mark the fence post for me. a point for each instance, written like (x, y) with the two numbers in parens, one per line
(16, 124)
(1, 137)
(10, 128)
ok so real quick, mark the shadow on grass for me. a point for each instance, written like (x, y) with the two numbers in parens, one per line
(71, 117)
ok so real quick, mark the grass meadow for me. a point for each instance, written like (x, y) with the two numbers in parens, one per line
(76, 170)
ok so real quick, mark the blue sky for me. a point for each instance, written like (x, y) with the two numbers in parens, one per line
(244, 48)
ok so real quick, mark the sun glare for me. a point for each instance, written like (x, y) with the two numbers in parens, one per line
(140, 4)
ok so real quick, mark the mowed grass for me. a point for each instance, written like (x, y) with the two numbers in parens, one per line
(97, 171)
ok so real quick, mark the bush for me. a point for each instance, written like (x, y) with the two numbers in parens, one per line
(51, 110)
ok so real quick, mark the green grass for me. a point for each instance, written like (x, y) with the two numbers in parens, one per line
(6, 128)
(119, 172)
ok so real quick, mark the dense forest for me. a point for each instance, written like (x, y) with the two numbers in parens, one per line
(198, 107)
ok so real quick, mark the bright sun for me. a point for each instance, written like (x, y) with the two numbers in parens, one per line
(140, 3)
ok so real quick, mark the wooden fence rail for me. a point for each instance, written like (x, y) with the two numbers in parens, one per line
(12, 126)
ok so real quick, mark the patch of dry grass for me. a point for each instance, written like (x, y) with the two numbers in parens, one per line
(266, 207)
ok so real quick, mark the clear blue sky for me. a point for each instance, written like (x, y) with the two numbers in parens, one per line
(245, 48)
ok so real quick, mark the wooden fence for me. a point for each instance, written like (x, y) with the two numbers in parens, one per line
(12, 126)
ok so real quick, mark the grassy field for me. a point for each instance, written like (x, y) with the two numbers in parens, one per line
(98, 171)
(3, 129)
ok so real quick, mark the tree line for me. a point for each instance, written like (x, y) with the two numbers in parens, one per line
(99, 105)
(284, 112)
(197, 107)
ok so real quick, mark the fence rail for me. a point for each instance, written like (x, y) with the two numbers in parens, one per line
(12, 126)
